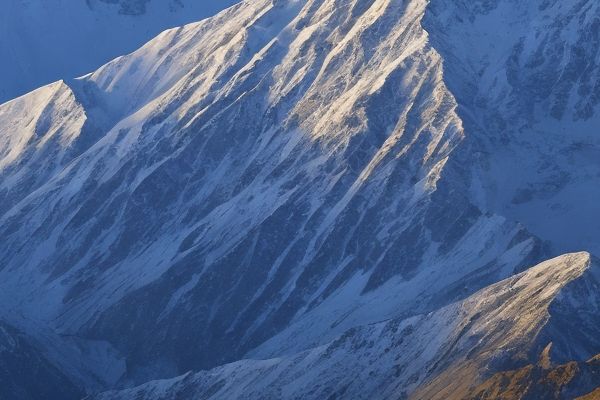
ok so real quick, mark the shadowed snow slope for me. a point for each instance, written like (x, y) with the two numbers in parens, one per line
(25, 373)
(259, 183)
(526, 75)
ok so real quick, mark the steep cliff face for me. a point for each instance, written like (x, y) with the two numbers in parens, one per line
(288, 174)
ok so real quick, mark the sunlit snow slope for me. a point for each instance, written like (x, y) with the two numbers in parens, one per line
(42, 41)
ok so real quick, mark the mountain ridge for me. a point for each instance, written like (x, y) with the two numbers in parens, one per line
(38, 36)
(402, 359)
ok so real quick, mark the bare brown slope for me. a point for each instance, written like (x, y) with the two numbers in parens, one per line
(565, 381)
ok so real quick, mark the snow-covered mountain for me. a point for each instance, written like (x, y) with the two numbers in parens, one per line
(42, 41)
(342, 193)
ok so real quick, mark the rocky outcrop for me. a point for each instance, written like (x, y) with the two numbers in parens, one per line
(573, 380)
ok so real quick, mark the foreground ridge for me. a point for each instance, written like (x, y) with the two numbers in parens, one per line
(442, 355)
